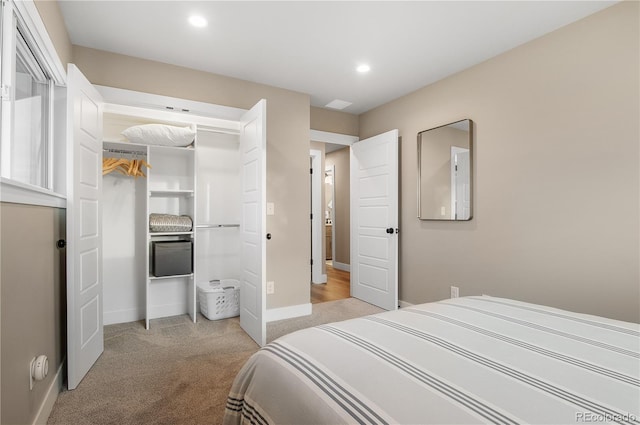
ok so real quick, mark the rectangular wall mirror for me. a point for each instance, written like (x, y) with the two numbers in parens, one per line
(445, 172)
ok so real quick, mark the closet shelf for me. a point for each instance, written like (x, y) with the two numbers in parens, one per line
(171, 192)
(152, 277)
(153, 234)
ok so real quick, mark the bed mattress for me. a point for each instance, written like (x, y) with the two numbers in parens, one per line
(458, 361)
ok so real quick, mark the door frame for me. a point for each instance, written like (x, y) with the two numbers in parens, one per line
(455, 150)
(332, 169)
(316, 190)
(317, 275)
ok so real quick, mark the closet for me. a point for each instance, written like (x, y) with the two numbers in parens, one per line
(201, 181)
(217, 180)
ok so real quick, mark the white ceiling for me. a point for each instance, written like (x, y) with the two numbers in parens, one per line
(314, 47)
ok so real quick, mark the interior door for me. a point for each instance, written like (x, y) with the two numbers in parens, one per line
(253, 141)
(460, 189)
(374, 220)
(85, 340)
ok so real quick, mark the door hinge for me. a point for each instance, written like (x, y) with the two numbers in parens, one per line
(311, 216)
(311, 261)
(310, 170)
(5, 92)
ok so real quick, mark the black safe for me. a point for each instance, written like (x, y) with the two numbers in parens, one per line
(170, 258)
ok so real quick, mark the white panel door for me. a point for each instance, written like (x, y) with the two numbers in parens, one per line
(460, 188)
(84, 226)
(374, 220)
(253, 141)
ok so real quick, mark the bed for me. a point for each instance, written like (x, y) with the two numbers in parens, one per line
(458, 361)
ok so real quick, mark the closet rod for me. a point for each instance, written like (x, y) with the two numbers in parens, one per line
(123, 151)
(215, 226)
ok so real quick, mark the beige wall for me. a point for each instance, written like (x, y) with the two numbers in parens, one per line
(54, 23)
(340, 159)
(556, 214)
(32, 305)
(334, 121)
(288, 118)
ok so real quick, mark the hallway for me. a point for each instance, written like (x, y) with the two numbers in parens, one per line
(338, 286)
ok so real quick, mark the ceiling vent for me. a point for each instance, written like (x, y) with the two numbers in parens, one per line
(337, 104)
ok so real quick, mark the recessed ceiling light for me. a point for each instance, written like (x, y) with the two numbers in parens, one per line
(198, 21)
(363, 68)
(337, 104)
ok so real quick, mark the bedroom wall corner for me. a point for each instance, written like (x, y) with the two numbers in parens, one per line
(334, 121)
(51, 15)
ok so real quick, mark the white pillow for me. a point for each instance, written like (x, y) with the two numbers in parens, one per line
(160, 134)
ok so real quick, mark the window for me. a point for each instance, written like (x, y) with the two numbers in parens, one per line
(25, 156)
(31, 75)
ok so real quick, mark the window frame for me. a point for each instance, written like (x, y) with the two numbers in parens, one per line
(23, 14)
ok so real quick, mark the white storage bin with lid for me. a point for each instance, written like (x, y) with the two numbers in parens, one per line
(219, 299)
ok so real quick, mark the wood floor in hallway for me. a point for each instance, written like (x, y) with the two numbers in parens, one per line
(338, 286)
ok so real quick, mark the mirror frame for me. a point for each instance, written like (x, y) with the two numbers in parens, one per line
(471, 169)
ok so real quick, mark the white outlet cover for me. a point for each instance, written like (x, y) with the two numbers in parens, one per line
(455, 292)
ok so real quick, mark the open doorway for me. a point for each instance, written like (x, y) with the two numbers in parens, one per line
(338, 279)
(330, 228)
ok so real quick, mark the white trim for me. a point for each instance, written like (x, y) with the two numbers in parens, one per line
(122, 316)
(274, 314)
(165, 310)
(316, 223)
(37, 32)
(50, 398)
(403, 304)
(322, 279)
(160, 103)
(335, 138)
(342, 266)
(22, 193)
(332, 168)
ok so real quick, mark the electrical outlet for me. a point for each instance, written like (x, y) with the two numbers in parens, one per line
(271, 287)
(455, 292)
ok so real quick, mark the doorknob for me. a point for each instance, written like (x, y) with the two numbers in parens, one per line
(269, 236)
(61, 243)
(390, 230)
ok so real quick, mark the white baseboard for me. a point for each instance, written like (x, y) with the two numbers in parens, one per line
(404, 304)
(322, 279)
(122, 316)
(167, 310)
(342, 266)
(290, 312)
(50, 399)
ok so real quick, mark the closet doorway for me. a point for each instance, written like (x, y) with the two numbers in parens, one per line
(330, 234)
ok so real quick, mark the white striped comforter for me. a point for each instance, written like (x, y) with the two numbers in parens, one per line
(459, 361)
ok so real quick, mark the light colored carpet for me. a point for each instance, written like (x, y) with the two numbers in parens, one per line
(177, 372)
(332, 311)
